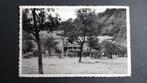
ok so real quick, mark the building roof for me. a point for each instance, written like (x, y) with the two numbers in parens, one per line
(103, 38)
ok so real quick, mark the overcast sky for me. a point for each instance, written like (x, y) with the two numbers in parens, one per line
(68, 12)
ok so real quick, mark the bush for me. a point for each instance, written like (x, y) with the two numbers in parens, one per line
(35, 53)
(28, 55)
(72, 54)
(122, 51)
(27, 46)
(86, 53)
(113, 49)
(58, 51)
(95, 54)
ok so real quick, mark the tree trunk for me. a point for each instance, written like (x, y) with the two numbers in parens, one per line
(40, 58)
(40, 66)
(81, 50)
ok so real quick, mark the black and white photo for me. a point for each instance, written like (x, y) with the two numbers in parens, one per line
(74, 41)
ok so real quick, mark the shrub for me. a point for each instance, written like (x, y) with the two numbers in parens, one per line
(27, 46)
(72, 54)
(85, 53)
(122, 51)
(28, 55)
(95, 54)
(113, 49)
(35, 53)
(58, 53)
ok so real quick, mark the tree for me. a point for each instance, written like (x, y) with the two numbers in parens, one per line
(36, 20)
(27, 45)
(93, 44)
(50, 44)
(85, 26)
(111, 48)
(68, 27)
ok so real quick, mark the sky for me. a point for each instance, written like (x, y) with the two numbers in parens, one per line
(70, 12)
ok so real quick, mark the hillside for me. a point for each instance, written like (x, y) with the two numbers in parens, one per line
(111, 22)
(114, 24)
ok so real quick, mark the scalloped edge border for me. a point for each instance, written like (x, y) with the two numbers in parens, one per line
(75, 75)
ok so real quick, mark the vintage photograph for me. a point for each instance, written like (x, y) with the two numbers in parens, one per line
(74, 41)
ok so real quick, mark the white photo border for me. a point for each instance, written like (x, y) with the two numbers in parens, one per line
(77, 75)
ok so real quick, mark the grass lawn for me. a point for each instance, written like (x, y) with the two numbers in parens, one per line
(66, 65)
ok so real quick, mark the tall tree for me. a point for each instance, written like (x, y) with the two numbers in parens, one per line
(36, 20)
(85, 26)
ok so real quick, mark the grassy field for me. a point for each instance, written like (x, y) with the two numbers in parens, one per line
(66, 65)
